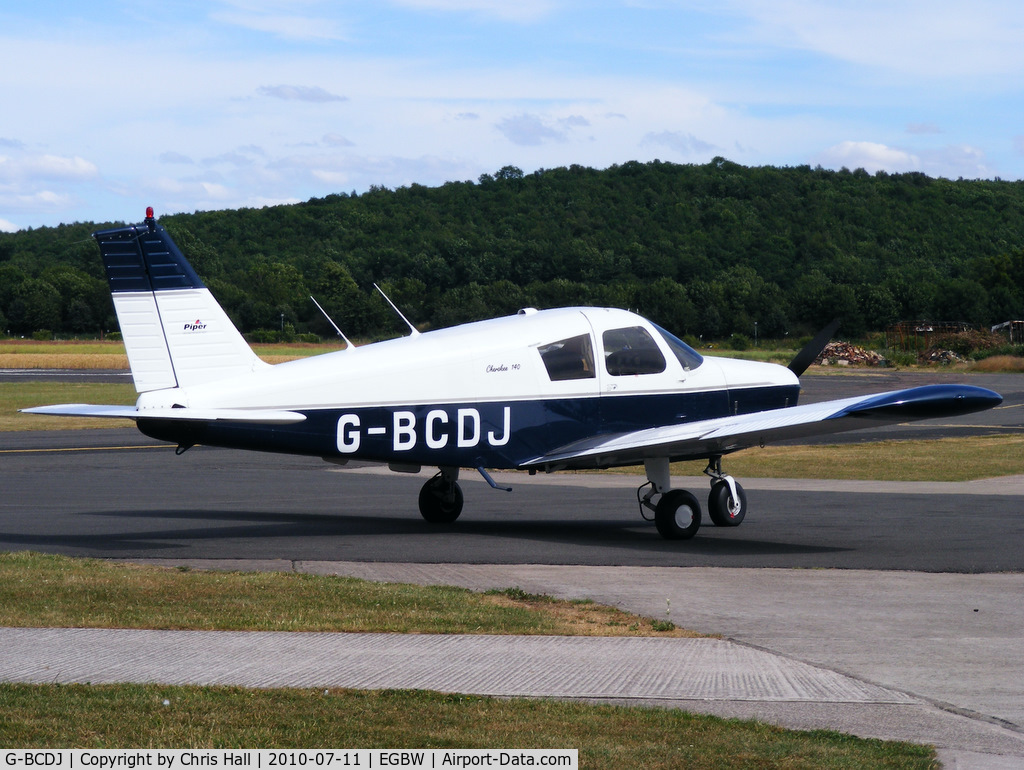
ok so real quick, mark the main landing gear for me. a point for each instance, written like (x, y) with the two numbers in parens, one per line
(677, 512)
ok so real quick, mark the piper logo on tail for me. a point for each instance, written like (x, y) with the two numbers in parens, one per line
(195, 326)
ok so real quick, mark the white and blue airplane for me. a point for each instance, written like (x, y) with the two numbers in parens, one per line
(542, 390)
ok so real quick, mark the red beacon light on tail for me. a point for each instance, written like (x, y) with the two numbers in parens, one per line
(149, 212)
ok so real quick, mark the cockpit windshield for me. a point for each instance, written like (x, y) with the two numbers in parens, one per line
(688, 357)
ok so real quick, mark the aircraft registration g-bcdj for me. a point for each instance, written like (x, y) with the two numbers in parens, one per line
(543, 390)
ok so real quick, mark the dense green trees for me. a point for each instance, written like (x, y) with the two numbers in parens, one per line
(706, 250)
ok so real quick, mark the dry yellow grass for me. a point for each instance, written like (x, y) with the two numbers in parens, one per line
(999, 364)
(45, 590)
(34, 354)
(966, 458)
(63, 361)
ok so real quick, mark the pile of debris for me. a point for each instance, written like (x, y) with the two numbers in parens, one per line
(943, 357)
(845, 354)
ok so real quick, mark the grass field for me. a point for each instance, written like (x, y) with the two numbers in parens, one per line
(41, 590)
(611, 737)
(608, 737)
(58, 592)
(951, 459)
(20, 395)
(33, 354)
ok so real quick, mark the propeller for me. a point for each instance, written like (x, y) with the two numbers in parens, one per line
(812, 349)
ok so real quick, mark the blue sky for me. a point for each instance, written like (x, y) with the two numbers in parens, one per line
(110, 106)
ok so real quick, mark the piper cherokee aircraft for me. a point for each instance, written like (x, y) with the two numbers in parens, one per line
(542, 390)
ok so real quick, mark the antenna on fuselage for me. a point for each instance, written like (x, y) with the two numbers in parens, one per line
(413, 329)
(348, 342)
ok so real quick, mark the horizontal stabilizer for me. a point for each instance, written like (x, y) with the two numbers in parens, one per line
(260, 416)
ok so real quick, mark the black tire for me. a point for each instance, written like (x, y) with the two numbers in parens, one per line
(677, 515)
(722, 510)
(440, 501)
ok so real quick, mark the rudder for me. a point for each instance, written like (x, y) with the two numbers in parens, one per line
(175, 332)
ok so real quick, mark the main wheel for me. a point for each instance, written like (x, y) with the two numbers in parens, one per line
(723, 509)
(440, 500)
(677, 515)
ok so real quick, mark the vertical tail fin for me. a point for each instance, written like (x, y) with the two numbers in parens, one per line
(175, 332)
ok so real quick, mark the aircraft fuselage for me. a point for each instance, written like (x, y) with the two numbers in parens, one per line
(391, 401)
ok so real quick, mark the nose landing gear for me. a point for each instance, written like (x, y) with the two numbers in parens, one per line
(677, 513)
(727, 503)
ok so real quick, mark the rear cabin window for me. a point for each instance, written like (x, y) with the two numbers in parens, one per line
(569, 359)
(631, 351)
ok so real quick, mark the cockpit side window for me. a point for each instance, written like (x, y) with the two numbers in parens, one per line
(688, 357)
(631, 351)
(569, 359)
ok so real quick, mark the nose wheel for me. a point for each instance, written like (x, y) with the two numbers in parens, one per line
(727, 508)
(677, 513)
(727, 503)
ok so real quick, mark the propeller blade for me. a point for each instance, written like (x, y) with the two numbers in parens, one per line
(812, 349)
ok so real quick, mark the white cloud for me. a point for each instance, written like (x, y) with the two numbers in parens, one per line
(931, 38)
(529, 130)
(280, 19)
(344, 171)
(228, 158)
(175, 157)
(679, 141)
(575, 121)
(301, 93)
(48, 167)
(8, 226)
(869, 156)
(216, 192)
(17, 198)
(520, 11)
(951, 162)
(955, 161)
(337, 140)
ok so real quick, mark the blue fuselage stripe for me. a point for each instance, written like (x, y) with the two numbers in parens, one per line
(489, 434)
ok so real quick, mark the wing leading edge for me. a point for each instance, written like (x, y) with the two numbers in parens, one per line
(722, 435)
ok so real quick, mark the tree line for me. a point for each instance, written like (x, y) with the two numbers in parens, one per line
(705, 250)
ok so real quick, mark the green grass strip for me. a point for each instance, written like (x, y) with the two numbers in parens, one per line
(65, 716)
(45, 590)
(20, 395)
(967, 458)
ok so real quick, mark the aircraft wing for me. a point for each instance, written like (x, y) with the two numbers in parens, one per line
(719, 436)
(261, 416)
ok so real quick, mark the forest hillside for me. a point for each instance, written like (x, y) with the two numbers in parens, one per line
(705, 250)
